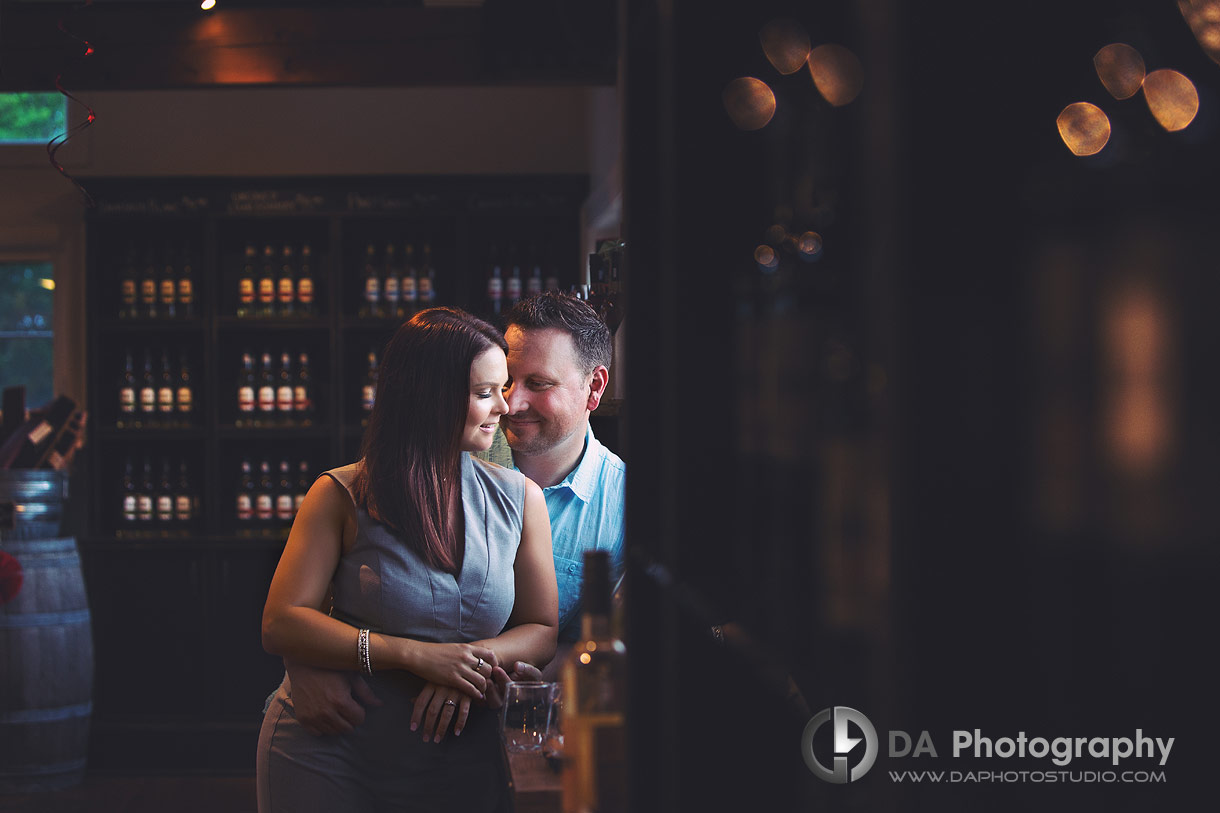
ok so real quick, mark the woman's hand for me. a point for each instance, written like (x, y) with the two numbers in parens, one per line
(436, 707)
(463, 667)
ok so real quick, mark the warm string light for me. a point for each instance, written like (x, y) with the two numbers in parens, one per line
(90, 116)
(208, 5)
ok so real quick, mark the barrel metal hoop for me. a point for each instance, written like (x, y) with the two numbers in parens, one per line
(44, 619)
(45, 715)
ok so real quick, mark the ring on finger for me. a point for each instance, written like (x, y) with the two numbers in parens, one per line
(478, 666)
(450, 703)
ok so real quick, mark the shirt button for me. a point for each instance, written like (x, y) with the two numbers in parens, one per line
(571, 568)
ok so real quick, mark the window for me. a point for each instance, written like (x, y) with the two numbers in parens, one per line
(30, 118)
(26, 340)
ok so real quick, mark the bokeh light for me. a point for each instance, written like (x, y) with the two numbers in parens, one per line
(749, 103)
(1121, 69)
(1172, 98)
(766, 258)
(1203, 17)
(776, 234)
(786, 44)
(810, 245)
(1084, 128)
(837, 73)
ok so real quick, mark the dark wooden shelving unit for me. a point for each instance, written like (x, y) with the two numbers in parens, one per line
(180, 671)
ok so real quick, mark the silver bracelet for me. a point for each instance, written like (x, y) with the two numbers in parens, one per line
(362, 649)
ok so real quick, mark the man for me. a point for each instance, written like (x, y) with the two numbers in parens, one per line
(558, 365)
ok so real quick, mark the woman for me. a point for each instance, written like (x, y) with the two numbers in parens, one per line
(441, 570)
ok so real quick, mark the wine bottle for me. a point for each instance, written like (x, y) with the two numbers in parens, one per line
(495, 285)
(185, 396)
(127, 391)
(284, 390)
(285, 491)
(186, 284)
(128, 289)
(427, 279)
(169, 286)
(594, 677)
(368, 393)
(533, 285)
(245, 284)
(302, 393)
(410, 284)
(164, 504)
(128, 498)
(246, 397)
(264, 500)
(287, 284)
(512, 286)
(371, 307)
(59, 455)
(391, 290)
(184, 496)
(305, 288)
(266, 391)
(27, 446)
(148, 285)
(148, 392)
(166, 389)
(144, 496)
(302, 485)
(266, 284)
(245, 493)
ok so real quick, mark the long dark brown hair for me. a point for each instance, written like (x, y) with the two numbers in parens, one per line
(412, 447)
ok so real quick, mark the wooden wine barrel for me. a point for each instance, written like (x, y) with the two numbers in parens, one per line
(32, 503)
(46, 669)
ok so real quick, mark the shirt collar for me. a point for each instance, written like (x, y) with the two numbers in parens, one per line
(582, 480)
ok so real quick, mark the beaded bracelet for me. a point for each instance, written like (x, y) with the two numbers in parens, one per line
(362, 650)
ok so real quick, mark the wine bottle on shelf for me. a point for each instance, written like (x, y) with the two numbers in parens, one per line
(164, 504)
(184, 496)
(302, 485)
(144, 496)
(533, 285)
(305, 287)
(266, 391)
(246, 294)
(266, 284)
(410, 283)
(246, 391)
(391, 290)
(368, 393)
(26, 447)
(127, 391)
(168, 286)
(495, 285)
(264, 499)
(148, 392)
(185, 396)
(245, 493)
(371, 307)
(148, 285)
(59, 455)
(166, 389)
(284, 391)
(287, 284)
(186, 284)
(128, 511)
(302, 392)
(512, 286)
(128, 288)
(427, 279)
(594, 679)
(285, 504)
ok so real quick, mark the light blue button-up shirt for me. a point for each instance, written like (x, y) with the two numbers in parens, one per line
(586, 511)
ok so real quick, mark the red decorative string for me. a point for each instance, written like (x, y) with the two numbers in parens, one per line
(58, 141)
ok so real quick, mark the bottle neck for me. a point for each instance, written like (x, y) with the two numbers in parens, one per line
(595, 626)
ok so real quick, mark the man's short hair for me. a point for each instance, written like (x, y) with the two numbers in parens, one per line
(573, 316)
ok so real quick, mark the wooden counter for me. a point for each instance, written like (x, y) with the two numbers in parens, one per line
(536, 785)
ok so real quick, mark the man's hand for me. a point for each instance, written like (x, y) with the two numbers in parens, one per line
(327, 701)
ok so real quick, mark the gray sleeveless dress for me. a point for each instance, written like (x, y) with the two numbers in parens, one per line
(381, 584)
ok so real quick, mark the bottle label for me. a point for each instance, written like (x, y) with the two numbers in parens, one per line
(305, 290)
(409, 289)
(168, 291)
(165, 399)
(368, 395)
(266, 399)
(263, 506)
(552, 283)
(144, 507)
(534, 286)
(425, 289)
(127, 399)
(185, 400)
(245, 509)
(283, 506)
(495, 288)
(148, 291)
(245, 399)
(286, 290)
(266, 290)
(165, 507)
(129, 508)
(148, 399)
(283, 399)
(245, 291)
(182, 508)
(127, 289)
(186, 292)
(391, 289)
(296, 502)
(300, 399)
(372, 290)
(514, 288)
